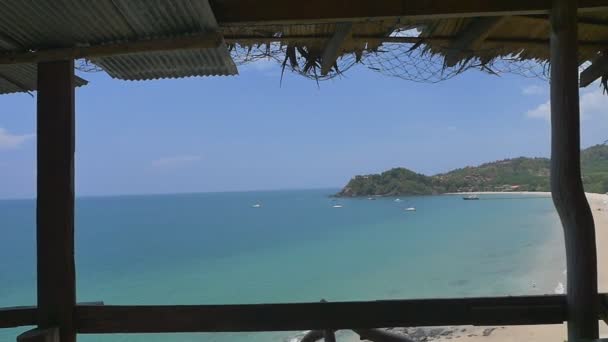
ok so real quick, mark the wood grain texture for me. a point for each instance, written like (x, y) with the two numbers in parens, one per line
(55, 199)
(597, 69)
(18, 316)
(246, 12)
(471, 37)
(321, 316)
(566, 184)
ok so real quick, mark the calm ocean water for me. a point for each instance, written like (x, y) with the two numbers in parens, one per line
(215, 248)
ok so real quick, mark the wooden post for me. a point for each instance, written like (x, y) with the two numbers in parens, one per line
(55, 199)
(566, 184)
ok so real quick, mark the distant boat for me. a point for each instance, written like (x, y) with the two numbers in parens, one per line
(257, 205)
(410, 209)
(371, 198)
(470, 198)
(398, 200)
(337, 206)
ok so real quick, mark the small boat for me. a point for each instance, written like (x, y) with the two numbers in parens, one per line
(371, 198)
(257, 205)
(398, 200)
(410, 209)
(337, 206)
(470, 198)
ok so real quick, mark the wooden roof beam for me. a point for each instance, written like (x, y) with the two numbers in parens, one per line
(260, 12)
(597, 69)
(334, 46)
(472, 37)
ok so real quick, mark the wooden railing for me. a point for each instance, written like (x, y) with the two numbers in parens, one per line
(321, 318)
(93, 318)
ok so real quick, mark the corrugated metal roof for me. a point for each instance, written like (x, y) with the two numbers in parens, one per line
(15, 78)
(183, 16)
(44, 24)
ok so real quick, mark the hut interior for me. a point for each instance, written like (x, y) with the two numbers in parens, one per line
(42, 42)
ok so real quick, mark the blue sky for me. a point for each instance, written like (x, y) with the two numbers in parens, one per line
(248, 132)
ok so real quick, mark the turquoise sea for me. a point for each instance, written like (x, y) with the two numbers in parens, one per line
(213, 248)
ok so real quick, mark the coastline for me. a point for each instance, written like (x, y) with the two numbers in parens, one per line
(529, 193)
(539, 333)
(542, 333)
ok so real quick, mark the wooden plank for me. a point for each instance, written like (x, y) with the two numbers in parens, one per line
(566, 184)
(187, 42)
(516, 41)
(597, 69)
(181, 43)
(333, 48)
(18, 316)
(321, 316)
(55, 199)
(40, 335)
(260, 12)
(471, 37)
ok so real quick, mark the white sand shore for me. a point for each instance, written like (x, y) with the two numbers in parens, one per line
(599, 206)
(543, 333)
(527, 193)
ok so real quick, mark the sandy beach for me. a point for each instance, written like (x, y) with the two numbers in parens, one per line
(553, 332)
(538, 333)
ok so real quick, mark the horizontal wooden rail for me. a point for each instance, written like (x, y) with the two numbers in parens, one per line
(514, 41)
(264, 12)
(212, 40)
(318, 316)
(18, 316)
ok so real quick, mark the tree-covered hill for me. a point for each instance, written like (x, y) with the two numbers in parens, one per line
(517, 174)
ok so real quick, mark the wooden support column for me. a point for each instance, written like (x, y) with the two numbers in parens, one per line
(566, 184)
(55, 199)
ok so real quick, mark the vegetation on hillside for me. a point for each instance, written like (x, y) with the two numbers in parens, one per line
(517, 174)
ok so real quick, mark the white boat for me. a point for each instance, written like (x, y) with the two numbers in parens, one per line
(371, 198)
(410, 209)
(337, 206)
(471, 198)
(398, 200)
(257, 205)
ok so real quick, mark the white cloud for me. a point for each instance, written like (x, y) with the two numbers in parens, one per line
(176, 161)
(593, 104)
(534, 90)
(9, 141)
(541, 112)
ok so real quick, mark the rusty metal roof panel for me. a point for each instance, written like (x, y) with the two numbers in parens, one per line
(15, 78)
